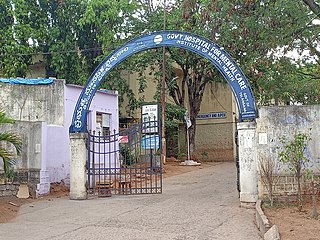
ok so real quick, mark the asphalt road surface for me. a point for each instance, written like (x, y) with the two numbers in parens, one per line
(201, 204)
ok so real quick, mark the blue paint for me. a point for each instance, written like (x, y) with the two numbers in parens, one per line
(150, 142)
(27, 81)
(202, 46)
(290, 119)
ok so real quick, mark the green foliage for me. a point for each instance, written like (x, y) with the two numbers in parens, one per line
(293, 154)
(11, 138)
(16, 29)
(10, 173)
(125, 152)
(78, 34)
(74, 36)
(253, 32)
(174, 116)
(106, 25)
(204, 154)
(65, 39)
(233, 25)
(182, 155)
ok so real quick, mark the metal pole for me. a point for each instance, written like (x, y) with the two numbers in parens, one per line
(163, 93)
(188, 143)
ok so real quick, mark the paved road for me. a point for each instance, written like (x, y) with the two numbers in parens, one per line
(201, 204)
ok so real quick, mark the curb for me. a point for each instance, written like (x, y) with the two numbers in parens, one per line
(268, 233)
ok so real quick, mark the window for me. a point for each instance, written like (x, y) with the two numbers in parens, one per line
(103, 123)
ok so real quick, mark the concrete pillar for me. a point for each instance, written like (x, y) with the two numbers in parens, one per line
(78, 175)
(42, 148)
(248, 163)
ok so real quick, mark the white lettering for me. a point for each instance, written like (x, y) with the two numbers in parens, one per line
(174, 36)
(228, 73)
(214, 57)
(189, 44)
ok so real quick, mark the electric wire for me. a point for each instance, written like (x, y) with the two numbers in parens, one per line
(51, 53)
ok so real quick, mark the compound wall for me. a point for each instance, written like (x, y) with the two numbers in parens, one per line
(275, 123)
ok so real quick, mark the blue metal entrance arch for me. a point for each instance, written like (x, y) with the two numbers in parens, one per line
(201, 46)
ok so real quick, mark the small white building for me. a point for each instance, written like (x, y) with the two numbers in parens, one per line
(43, 113)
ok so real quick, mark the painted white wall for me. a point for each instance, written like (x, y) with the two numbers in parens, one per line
(58, 153)
(34, 103)
(103, 101)
(262, 140)
(284, 121)
(58, 150)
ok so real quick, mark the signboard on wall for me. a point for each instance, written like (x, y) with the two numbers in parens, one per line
(149, 116)
(123, 139)
(212, 115)
(150, 142)
(187, 119)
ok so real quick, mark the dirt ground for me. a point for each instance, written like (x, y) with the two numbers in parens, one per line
(9, 206)
(295, 225)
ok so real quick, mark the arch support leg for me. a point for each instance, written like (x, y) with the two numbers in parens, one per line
(248, 163)
(78, 175)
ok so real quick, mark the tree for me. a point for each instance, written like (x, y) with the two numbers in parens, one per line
(268, 169)
(110, 24)
(252, 32)
(64, 39)
(11, 138)
(293, 154)
(17, 31)
(74, 36)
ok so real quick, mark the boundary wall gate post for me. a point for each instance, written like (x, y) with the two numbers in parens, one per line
(248, 163)
(78, 175)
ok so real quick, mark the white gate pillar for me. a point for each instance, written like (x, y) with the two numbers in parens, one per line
(247, 163)
(78, 176)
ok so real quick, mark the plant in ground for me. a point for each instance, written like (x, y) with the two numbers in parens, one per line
(204, 155)
(268, 169)
(131, 155)
(126, 154)
(293, 154)
(11, 138)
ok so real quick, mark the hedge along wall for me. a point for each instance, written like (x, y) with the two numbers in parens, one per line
(276, 122)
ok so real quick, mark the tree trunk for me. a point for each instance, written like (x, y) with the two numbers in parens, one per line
(300, 203)
(298, 176)
(192, 138)
(314, 213)
(271, 192)
(194, 110)
(194, 82)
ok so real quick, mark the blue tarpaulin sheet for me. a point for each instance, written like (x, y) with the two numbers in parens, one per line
(28, 81)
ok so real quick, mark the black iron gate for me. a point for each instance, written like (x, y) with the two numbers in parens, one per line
(127, 162)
